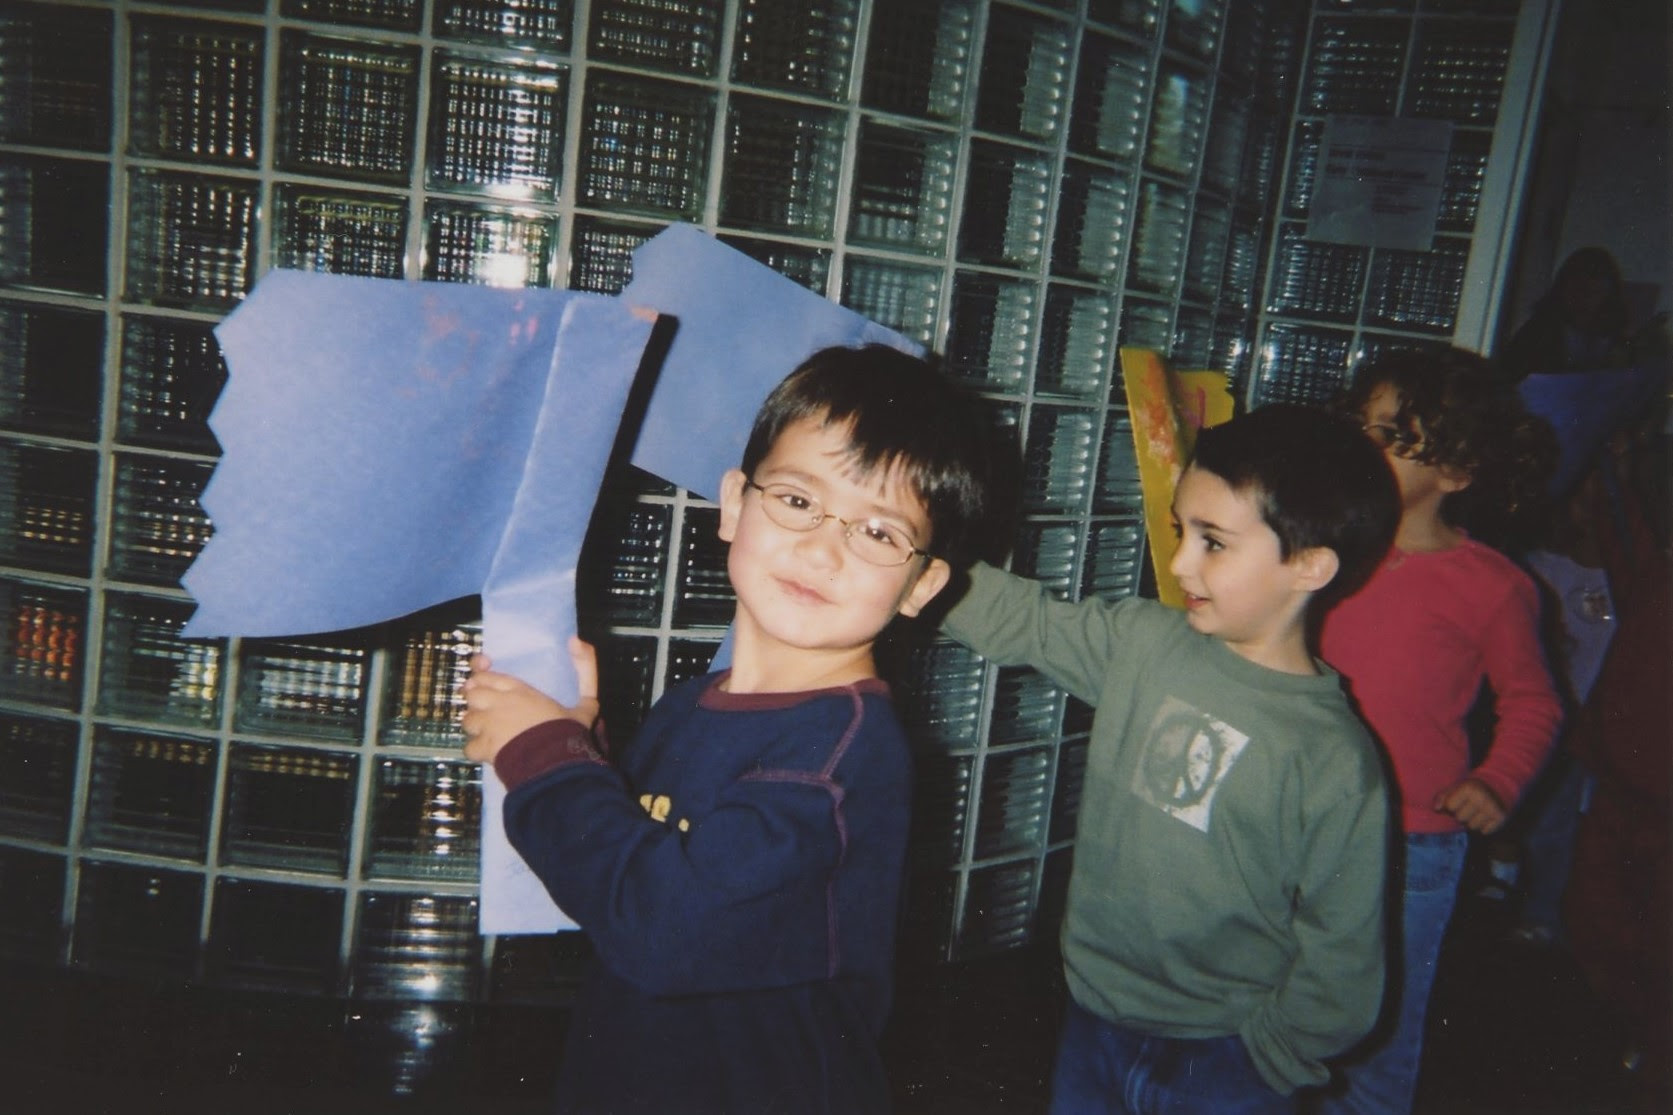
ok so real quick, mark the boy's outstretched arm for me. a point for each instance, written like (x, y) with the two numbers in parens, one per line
(499, 707)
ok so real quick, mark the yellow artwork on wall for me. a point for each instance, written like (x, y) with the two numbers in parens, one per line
(1168, 407)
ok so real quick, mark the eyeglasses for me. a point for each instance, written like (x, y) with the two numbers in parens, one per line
(1402, 443)
(871, 540)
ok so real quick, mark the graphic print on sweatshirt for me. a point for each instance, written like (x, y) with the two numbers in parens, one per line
(1186, 756)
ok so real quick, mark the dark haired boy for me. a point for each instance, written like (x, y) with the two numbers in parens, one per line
(738, 867)
(1224, 928)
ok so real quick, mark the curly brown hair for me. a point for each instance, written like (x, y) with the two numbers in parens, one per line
(1465, 415)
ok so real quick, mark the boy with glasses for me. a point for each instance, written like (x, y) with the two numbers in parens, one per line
(738, 866)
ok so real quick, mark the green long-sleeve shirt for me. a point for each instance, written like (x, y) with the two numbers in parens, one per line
(1233, 833)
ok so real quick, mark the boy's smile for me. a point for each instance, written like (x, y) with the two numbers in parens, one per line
(809, 607)
(1237, 586)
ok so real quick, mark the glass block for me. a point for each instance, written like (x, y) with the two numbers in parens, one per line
(1091, 231)
(421, 702)
(274, 937)
(811, 267)
(1006, 195)
(645, 147)
(678, 36)
(396, 15)
(902, 189)
(1417, 290)
(1146, 325)
(425, 820)
(157, 526)
(57, 63)
(339, 232)
(1159, 237)
(1369, 347)
(1243, 262)
(1193, 337)
(624, 571)
(1110, 92)
(1066, 793)
(491, 247)
(1354, 66)
(1141, 17)
(991, 329)
(415, 946)
(302, 687)
(998, 909)
(1057, 461)
(545, 970)
(1193, 27)
(1304, 167)
(895, 295)
(1205, 255)
(1117, 488)
(703, 593)
(1233, 339)
(918, 58)
(172, 373)
(1026, 706)
(601, 253)
(545, 24)
(1046, 552)
(1178, 121)
(54, 221)
(46, 630)
(1466, 169)
(1114, 557)
(783, 162)
(51, 370)
(195, 91)
(46, 507)
(1248, 37)
(149, 673)
(1259, 178)
(289, 808)
(137, 920)
(39, 758)
(1314, 278)
(804, 48)
(496, 127)
(1473, 7)
(30, 918)
(940, 809)
(1077, 343)
(150, 793)
(348, 108)
(1024, 86)
(1015, 802)
(940, 701)
(627, 682)
(191, 239)
(689, 658)
(1298, 364)
(1458, 70)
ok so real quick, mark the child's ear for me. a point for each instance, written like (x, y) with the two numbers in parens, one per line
(1315, 567)
(1453, 479)
(731, 503)
(931, 580)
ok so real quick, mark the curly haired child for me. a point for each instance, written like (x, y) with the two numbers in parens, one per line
(1443, 612)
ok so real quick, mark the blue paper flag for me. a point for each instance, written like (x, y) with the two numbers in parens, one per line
(1585, 408)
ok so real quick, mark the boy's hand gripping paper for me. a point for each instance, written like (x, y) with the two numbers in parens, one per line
(393, 445)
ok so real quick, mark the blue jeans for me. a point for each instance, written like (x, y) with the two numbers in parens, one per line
(1382, 1078)
(1105, 1069)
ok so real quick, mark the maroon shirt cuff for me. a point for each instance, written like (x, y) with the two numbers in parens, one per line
(544, 748)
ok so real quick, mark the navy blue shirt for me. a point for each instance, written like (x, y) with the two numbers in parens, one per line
(738, 871)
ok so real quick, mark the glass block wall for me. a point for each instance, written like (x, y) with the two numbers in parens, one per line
(1020, 186)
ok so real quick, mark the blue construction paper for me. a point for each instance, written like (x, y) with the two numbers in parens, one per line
(742, 328)
(391, 445)
(1585, 408)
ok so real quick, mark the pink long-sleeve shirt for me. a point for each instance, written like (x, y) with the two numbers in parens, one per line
(1414, 645)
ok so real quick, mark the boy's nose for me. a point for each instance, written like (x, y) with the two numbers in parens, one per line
(824, 543)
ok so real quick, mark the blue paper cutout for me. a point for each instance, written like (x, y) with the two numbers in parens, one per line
(1585, 408)
(392, 445)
